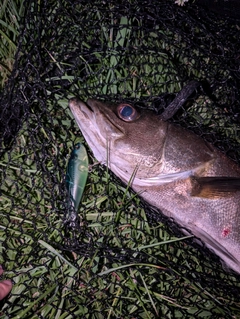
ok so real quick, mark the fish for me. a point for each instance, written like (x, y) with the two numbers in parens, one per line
(170, 167)
(76, 177)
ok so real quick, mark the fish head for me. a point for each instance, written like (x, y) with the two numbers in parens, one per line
(116, 133)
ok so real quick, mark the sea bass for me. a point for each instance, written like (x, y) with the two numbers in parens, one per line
(174, 170)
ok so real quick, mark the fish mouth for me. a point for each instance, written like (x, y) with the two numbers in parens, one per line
(94, 119)
(81, 110)
(85, 116)
(97, 127)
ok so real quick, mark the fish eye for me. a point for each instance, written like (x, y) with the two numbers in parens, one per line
(127, 112)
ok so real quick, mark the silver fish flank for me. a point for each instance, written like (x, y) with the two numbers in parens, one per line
(177, 171)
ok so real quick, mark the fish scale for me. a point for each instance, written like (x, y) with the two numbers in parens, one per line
(184, 176)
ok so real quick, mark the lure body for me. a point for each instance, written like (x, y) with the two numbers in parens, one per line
(76, 177)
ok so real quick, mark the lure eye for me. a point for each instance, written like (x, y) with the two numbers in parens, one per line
(127, 112)
(77, 146)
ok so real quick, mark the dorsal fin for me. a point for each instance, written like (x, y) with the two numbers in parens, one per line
(179, 100)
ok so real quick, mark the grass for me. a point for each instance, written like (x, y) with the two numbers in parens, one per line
(45, 277)
(51, 283)
(123, 264)
(10, 15)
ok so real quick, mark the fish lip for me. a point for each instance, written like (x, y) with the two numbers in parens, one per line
(74, 102)
(76, 105)
(89, 105)
(88, 111)
(85, 118)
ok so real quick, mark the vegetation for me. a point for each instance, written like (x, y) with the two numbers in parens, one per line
(10, 15)
(162, 275)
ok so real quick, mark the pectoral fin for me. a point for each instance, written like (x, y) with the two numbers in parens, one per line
(215, 187)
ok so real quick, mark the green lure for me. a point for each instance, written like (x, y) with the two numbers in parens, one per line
(76, 177)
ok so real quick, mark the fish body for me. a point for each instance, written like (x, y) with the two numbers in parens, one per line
(76, 176)
(175, 170)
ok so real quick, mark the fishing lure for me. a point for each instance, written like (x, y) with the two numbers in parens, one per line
(76, 177)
